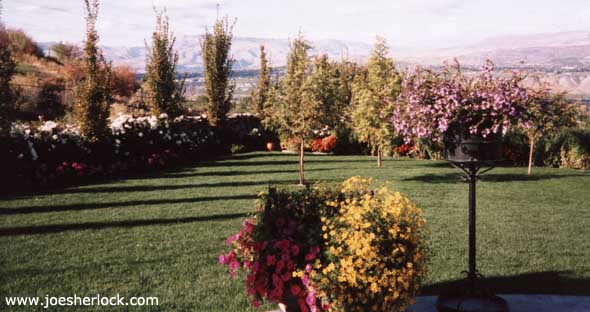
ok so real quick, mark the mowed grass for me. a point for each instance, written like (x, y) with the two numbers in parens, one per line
(160, 235)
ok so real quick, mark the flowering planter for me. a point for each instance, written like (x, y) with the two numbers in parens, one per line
(475, 149)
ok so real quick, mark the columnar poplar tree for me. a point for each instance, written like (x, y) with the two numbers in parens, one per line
(164, 94)
(215, 48)
(373, 98)
(261, 93)
(7, 68)
(93, 94)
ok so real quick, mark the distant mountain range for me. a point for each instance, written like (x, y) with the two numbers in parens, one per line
(556, 51)
(246, 52)
(562, 59)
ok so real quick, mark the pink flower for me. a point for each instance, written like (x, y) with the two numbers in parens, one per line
(255, 303)
(222, 259)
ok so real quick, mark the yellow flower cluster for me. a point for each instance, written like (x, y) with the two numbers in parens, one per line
(375, 253)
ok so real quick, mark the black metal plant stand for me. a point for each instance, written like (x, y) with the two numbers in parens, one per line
(470, 296)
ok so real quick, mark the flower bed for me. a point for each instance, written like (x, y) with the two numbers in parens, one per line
(356, 247)
(54, 154)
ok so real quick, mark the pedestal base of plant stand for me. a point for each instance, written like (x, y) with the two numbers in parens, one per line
(471, 302)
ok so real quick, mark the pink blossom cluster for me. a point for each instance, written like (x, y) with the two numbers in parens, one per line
(271, 264)
(449, 103)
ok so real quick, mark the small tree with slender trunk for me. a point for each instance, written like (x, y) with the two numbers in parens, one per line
(261, 93)
(93, 94)
(373, 95)
(217, 62)
(164, 94)
(301, 107)
(547, 114)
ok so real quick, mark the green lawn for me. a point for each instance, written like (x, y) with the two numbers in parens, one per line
(160, 235)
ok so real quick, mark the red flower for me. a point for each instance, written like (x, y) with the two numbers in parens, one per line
(271, 260)
(295, 290)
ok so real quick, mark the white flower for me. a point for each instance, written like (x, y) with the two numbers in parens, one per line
(20, 155)
(48, 126)
(163, 115)
(55, 137)
(140, 134)
(178, 142)
(117, 141)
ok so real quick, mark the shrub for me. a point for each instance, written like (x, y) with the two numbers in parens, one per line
(347, 143)
(21, 43)
(283, 236)
(374, 255)
(351, 248)
(238, 148)
(568, 149)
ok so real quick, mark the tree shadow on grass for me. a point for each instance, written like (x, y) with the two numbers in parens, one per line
(487, 177)
(160, 187)
(234, 173)
(552, 282)
(58, 228)
(91, 206)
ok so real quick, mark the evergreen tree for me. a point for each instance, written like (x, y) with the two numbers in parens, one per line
(372, 97)
(215, 48)
(7, 68)
(93, 96)
(164, 94)
(261, 93)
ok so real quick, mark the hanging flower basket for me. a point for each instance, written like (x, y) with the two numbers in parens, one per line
(475, 149)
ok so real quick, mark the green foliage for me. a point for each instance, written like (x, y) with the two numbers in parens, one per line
(7, 94)
(298, 110)
(570, 148)
(164, 94)
(215, 48)
(49, 100)
(322, 90)
(373, 94)
(260, 94)
(93, 94)
(238, 148)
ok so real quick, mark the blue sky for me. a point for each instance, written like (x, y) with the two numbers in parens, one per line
(405, 23)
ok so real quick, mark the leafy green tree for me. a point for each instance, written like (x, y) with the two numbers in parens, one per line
(93, 94)
(373, 95)
(215, 49)
(299, 109)
(164, 94)
(7, 94)
(547, 115)
(260, 94)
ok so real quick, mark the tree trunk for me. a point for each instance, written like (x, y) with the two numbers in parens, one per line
(532, 140)
(301, 176)
(379, 156)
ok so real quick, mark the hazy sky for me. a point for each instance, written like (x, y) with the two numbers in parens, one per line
(408, 23)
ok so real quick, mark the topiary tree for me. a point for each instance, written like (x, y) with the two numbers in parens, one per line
(7, 68)
(164, 95)
(217, 62)
(93, 94)
(260, 94)
(373, 95)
